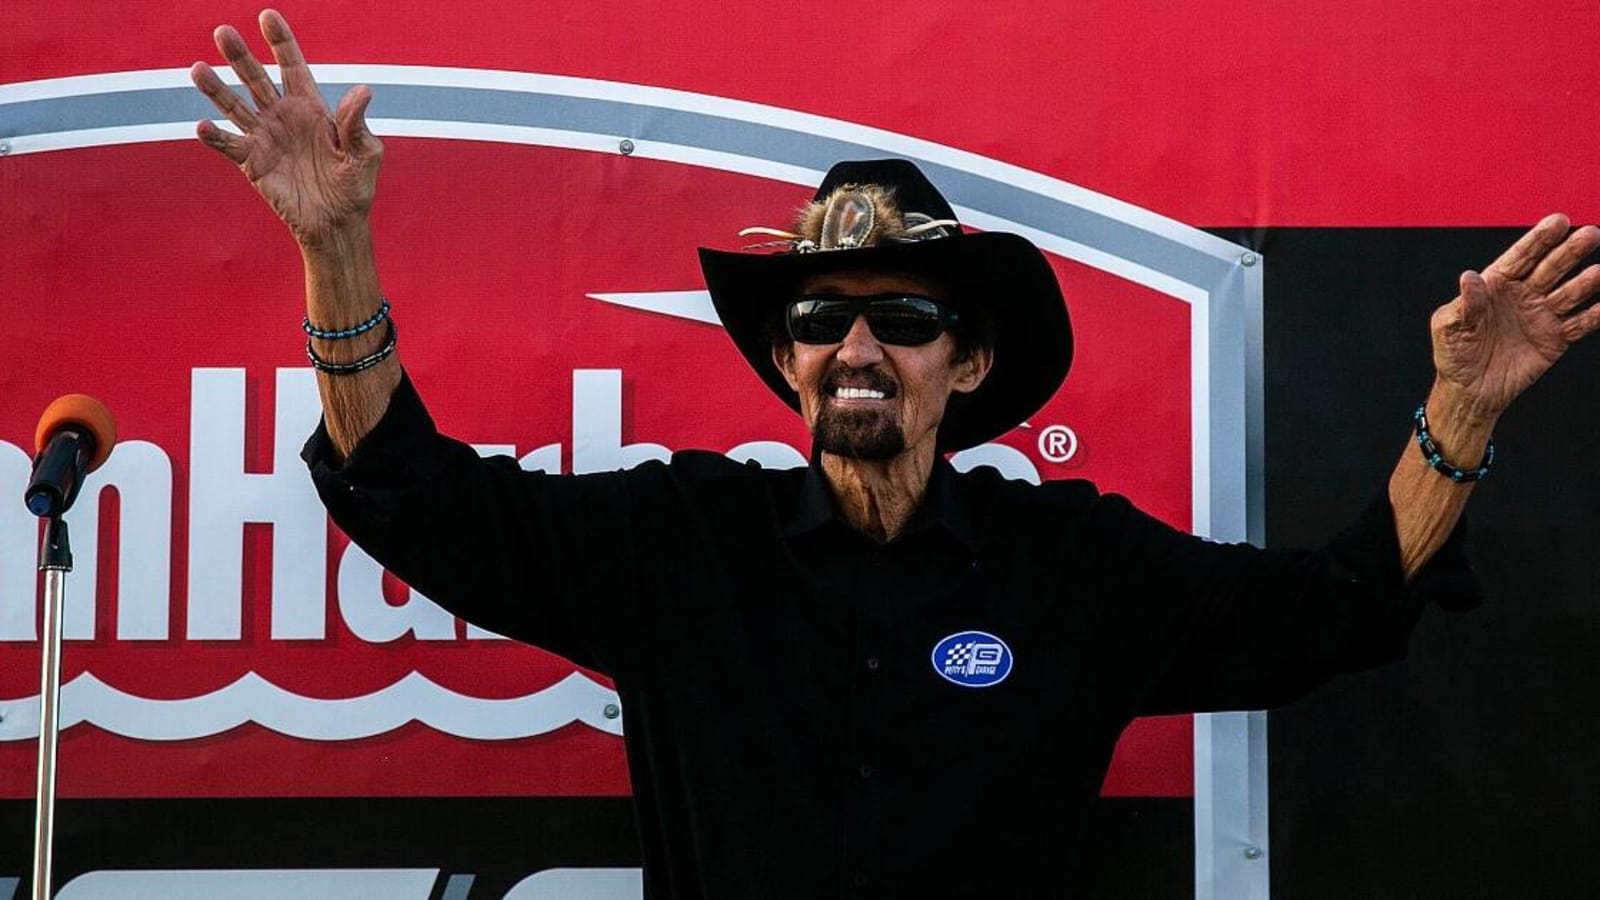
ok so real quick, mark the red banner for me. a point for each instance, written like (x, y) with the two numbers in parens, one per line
(224, 641)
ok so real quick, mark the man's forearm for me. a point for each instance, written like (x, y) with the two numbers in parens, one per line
(1427, 504)
(342, 291)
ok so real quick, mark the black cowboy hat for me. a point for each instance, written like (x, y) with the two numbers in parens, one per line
(894, 220)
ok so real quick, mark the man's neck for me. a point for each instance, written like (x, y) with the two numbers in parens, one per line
(877, 497)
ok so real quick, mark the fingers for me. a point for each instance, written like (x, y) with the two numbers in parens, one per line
(246, 66)
(1579, 326)
(232, 107)
(1519, 261)
(229, 145)
(296, 74)
(1574, 293)
(351, 122)
(1560, 261)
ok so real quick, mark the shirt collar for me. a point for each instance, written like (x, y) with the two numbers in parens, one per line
(941, 506)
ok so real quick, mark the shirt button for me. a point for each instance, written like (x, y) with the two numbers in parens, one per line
(861, 879)
(872, 663)
(866, 771)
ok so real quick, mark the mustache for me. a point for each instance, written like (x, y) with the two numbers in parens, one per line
(869, 377)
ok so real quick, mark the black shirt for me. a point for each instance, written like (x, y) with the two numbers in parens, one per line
(792, 723)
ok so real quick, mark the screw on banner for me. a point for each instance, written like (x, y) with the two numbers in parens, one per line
(611, 711)
(626, 147)
(5, 148)
(1248, 259)
(1252, 852)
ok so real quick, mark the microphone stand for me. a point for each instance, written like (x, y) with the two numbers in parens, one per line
(55, 561)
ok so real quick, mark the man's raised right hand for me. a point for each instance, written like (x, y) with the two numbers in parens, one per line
(317, 169)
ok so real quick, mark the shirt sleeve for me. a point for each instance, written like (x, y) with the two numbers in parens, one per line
(1246, 628)
(550, 560)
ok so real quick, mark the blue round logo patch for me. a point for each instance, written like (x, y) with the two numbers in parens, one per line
(972, 659)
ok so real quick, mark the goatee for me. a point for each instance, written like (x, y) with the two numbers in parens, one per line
(858, 434)
(867, 434)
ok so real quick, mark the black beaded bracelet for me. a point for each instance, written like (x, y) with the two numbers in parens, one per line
(1431, 452)
(344, 333)
(360, 365)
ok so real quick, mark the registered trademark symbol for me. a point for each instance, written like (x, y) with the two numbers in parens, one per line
(1058, 443)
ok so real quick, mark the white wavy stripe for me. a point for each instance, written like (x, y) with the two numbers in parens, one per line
(663, 98)
(88, 700)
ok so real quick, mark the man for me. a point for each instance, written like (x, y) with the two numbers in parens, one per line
(873, 675)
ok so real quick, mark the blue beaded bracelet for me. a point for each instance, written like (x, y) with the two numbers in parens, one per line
(343, 333)
(1431, 452)
(360, 365)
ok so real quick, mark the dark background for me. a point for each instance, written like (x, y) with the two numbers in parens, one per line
(1468, 770)
(1146, 845)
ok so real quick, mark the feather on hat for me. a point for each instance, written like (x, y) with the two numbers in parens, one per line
(852, 216)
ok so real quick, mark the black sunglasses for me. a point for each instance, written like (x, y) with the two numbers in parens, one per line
(907, 320)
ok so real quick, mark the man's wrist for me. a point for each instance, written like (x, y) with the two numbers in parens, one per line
(341, 277)
(1460, 423)
(340, 244)
(1459, 403)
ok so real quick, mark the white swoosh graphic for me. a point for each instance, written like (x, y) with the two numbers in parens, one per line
(695, 305)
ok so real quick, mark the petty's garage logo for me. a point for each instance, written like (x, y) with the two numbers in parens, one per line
(537, 237)
(974, 659)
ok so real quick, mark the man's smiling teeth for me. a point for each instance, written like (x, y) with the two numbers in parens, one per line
(849, 393)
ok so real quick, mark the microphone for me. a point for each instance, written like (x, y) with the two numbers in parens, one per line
(75, 435)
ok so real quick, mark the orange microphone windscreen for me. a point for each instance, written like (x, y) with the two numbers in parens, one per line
(86, 413)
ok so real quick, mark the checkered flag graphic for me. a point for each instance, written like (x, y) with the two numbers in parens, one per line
(958, 654)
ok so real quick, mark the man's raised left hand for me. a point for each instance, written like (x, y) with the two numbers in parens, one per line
(1512, 322)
